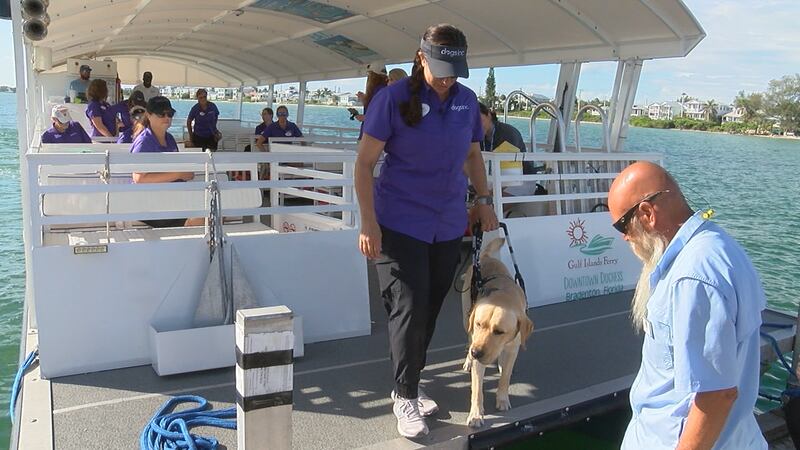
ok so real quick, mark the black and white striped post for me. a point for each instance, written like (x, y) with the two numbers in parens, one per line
(264, 370)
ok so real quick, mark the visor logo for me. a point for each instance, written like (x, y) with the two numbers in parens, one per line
(452, 53)
(459, 107)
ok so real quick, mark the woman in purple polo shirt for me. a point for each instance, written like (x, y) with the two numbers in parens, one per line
(99, 112)
(151, 136)
(280, 128)
(413, 217)
(204, 114)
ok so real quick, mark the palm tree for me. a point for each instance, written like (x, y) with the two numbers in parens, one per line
(710, 108)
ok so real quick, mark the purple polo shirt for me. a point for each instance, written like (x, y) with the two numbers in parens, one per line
(126, 132)
(274, 130)
(205, 122)
(146, 142)
(422, 188)
(105, 112)
(74, 134)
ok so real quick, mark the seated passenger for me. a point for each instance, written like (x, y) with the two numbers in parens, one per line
(396, 75)
(124, 111)
(281, 128)
(266, 120)
(496, 132)
(99, 112)
(64, 130)
(151, 136)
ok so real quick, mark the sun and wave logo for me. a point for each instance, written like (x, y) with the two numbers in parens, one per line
(580, 238)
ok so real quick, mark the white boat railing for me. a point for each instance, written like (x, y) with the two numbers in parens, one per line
(91, 188)
(575, 182)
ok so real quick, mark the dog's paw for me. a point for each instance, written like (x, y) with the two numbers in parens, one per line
(503, 403)
(467, 364)
(475, 419)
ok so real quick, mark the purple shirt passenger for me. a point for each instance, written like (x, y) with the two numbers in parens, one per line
(73, 134)
(105, 112)
(126, 131)
(146, 142)
(205, 122)
(423, 172)
(274, 130)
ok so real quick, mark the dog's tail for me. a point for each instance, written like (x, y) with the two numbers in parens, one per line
(493, 247)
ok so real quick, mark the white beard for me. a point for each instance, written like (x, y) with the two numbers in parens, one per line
(648, 247)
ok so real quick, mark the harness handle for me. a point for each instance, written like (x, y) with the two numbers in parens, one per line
(517, 274)
(477, 280)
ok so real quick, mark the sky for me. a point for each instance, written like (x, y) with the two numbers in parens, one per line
(748, 43)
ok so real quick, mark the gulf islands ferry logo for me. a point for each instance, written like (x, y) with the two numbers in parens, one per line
(580, 238)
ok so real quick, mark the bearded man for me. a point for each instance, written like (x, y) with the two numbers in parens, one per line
(698, 302)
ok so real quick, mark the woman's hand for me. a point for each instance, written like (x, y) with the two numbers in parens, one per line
(369, 239)
(485, 215)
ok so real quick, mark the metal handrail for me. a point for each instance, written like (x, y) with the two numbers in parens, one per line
(603, 122)
(522, 93)
(554, 113)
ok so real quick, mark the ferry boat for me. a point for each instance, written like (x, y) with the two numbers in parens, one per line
(112, 305)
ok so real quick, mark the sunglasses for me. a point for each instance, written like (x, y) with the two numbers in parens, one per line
(621, 224)
(169, 114)
(283, 114)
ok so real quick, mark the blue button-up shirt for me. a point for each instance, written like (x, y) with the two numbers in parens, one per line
(701, 334)
(422, 187)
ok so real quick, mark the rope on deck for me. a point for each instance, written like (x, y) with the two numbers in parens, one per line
(170, 430)
(17, 386)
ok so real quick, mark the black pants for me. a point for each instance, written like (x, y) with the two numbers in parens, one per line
(205, 142)
(414, 279)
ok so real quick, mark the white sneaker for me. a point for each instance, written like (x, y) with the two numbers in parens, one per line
(427, 406)
(410, 423)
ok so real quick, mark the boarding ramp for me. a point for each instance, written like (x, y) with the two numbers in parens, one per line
(99, 289)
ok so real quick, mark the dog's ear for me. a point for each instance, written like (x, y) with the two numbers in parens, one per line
(469, 321)
(493, 247)
(524, 328)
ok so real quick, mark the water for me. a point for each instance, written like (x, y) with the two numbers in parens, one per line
(752, 184)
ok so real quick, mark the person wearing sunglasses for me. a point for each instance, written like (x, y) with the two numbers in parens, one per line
(151, 136)
(64, 130)
(280, 128)
(202, 123)
(698, 302)
(413, 216)
(124, 113)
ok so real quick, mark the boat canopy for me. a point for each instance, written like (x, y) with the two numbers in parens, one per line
(230, 43)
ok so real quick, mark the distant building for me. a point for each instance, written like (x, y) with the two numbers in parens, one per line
(737, 115)
(694, 109)
(639, 111)
(664, 111)
(723, 109)
(347, 99)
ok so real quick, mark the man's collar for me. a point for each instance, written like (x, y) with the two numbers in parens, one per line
(684, 234)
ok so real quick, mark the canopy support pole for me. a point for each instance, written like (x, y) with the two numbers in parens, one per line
(301, 104)
(625, 86)
(565, 100)
(241, 99)
(271, 96)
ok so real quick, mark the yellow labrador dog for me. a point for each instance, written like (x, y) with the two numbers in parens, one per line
(497, 326)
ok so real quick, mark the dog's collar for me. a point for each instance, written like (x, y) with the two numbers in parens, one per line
(485, 291)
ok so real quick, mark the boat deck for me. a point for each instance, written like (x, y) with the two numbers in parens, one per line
(579, 351)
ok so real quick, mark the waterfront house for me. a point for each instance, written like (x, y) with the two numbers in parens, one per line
(737, 115)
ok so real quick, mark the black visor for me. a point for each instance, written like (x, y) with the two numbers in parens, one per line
(445, 61)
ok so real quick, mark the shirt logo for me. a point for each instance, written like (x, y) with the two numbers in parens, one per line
(202, 114)
(425, 109)
(288, 134)
(459, 107)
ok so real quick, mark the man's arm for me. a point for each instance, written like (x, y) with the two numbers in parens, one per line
(707, 417)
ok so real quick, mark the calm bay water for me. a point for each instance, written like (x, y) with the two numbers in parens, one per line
(752, 184)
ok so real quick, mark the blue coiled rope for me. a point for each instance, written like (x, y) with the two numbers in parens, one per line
(15, 388)
(790, 393)
(170, 430)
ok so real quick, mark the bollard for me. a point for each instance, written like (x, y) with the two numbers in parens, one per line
(264, 370)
